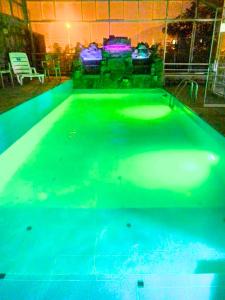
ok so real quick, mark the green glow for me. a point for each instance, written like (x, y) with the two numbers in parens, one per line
(146, 112)
(101, 96)
(173, 170)
(17, 154)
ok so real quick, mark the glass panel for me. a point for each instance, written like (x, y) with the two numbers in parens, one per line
(17, 11)
(131, 10)
(178, 42)
(181, 9)
(88, 10)
(34, 10)
(48, 11)
(102, 12)
(203, 41)
(44, 29)
(188, 9)
(146, 10)
(57, 36)
(5, 7)
(174, 9)
(159, 10)
(68, 11)
(151, 33)
(81, 33)
(129, 30)
(116, 29)
(99, 31)
(116, 10)
(216, 81)
(205, 12)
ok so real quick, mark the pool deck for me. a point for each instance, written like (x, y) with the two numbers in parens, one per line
(11, 97)
(212, 115)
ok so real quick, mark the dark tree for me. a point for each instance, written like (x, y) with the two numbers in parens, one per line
(181, 31)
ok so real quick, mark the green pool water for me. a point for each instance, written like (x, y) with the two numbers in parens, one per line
(112, 187)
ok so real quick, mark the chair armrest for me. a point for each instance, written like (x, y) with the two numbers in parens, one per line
(34, 70)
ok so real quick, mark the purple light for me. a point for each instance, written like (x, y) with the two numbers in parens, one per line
(90, 54)
(117, 48)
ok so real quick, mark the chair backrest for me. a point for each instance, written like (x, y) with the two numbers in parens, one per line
(20, 63)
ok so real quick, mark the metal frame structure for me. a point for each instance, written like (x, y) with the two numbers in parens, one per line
(190, 68)
(21, 4)
(166, 20)
(216, 71)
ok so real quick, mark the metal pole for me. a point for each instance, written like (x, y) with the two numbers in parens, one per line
(191, 53)
(165, 38)
(193, 35)
(28, 23)
(109, 16)
(210, 57)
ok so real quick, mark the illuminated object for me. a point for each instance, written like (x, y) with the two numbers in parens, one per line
(176, 170)
(141, 52)
(146, 112)
(92, 53)
(117, 46)
(68, 26)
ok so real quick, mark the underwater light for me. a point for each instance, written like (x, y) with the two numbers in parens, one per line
(176, 170)
(146, 112)
(212, 157)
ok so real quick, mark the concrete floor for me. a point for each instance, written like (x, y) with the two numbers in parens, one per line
(214, 116)
(12, 96)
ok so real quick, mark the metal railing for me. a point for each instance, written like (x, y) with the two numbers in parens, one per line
(186, 70)
(193, 92)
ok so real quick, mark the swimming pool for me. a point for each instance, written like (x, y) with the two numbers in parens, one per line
(111, 194)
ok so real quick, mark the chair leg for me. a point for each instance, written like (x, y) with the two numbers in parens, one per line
(11, 78)
(41, 79)
(19, 80)
(2, 80)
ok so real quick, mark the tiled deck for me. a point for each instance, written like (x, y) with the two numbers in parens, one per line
(10, 97)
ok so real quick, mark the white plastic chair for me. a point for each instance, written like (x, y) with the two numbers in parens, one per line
(22, 69)
(6, 71)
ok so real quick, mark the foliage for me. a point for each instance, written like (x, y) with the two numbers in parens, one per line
(182, 32)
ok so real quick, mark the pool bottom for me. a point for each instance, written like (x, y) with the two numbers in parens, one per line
(99, 253)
